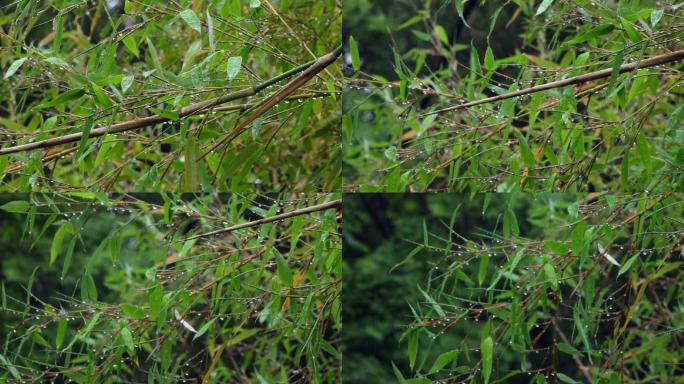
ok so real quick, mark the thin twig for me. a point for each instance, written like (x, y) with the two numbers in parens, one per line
(283, 216)
(650, 62)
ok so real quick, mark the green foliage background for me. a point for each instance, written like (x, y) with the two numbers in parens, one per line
(621, 133)
(121, 295)
(521, 270)
(74, 66)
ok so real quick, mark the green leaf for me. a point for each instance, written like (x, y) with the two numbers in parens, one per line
(233, 67)
(210, 30)
(12, 369)
(63, 98)
(126, 82)
(165, 113)
(203, 329)
(617, 62)
(487, 348)
(132, 311)
(442, 361)
(591, 34)
(16, 64)
(489, 62)
(56, 247)
(56, 61)
(354, 51)
(243, 335)
(155, 301)
(525, 151)
(100, 96)
(61, 329)
(631, 33)
(628, 264)
(573, 210)
(484, 262)
(644, 150)
(391, 153)
(191, 19)
(570, 350)
(459, 8)
(551, 275)
(543, 7)
(128, 6)
(566, 379)
(510, 223)
(656, 15)
(88, 288)
(18, 206)
(127, 339)
(254, 3)
(414, 252)
(435, 305)
(412, 348)
(131, 45)
(113, 245)
(283, 269)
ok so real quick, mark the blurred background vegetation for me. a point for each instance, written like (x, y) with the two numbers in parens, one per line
(380, 230)
(391, 293)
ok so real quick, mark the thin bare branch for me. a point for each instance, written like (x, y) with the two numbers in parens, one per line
(650, 62)
(283, 216)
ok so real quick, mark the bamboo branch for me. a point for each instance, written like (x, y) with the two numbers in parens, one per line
(650, 62)
(283, 216)
(280, 95)
(182, 112)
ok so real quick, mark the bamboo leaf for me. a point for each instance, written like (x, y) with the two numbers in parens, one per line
(61, 329)
(411, 254)
(354, 51)
(16, 64)
(233, 67)
(18, 206)
(487, 346)
(56, 247)
(191, 19)
(543, 7)
(442, 361)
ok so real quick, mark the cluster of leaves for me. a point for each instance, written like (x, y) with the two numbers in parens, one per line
(135, 288)
(80, 67)
(621, 132)
(556, 288)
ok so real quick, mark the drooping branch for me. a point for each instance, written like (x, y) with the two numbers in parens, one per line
(283, 216)
(280, 95)
(182, 112)
(603, 73)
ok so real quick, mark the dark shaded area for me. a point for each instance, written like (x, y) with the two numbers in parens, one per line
(378, 233)
(375, 26)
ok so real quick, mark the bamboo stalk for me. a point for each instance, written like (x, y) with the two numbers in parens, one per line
(182, 112)
(650, 62)
(283, 216)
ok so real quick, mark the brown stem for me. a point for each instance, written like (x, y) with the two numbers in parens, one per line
(283, 216)
(650, 62)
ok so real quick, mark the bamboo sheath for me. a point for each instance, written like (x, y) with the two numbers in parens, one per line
(603, 73)
(319, 64)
